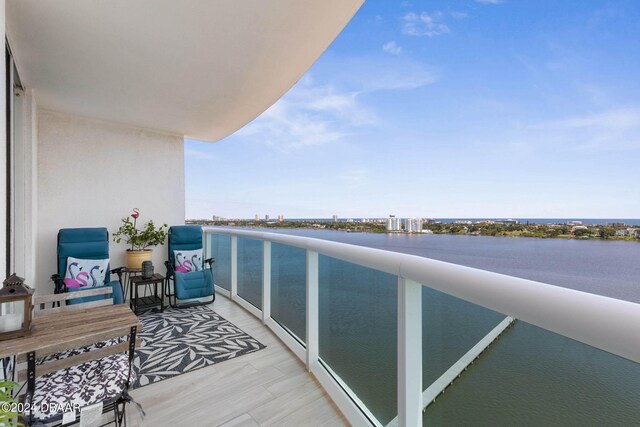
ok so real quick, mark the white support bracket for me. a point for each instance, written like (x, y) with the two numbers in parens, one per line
(266, 280)
(409, 353)
(234, 267)
(312, 309)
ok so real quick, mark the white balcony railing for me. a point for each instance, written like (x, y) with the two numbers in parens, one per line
(605, 323)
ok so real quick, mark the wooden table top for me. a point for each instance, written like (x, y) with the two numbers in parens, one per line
(139, 280)
(56, 332)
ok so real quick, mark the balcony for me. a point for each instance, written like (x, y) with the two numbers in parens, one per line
(354, 335)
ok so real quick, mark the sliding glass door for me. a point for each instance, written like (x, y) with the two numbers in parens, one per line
(15, 163)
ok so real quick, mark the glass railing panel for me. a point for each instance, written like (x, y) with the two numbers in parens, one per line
(219, 246)
(289, 288)
(531, 376)
(250, 270)
(450, 328)
(358, 332)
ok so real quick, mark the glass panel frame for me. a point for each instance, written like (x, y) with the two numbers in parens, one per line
(358, 332)
(289, 289)
(250, 253)
(220, 249)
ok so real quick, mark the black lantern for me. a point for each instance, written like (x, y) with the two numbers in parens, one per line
(147, 269)
(16, 308)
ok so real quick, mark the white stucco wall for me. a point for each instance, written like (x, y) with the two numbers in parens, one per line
(92, 173)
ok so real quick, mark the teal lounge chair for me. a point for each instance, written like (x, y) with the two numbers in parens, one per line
(189, 276)
(85, 243)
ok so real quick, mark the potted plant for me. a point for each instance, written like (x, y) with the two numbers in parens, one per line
(8, 405)
(140, 240)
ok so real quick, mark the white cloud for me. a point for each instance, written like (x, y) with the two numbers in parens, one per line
(392, 48)
(313, 114)
(385, 73)
(309, 115)
(287, 126)
(429, 25)
(459, 15)
(606, 131)
(388, 78)
(334, 102)
(196, 154)
(617, 120)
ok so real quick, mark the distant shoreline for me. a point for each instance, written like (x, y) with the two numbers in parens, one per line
(576, 230)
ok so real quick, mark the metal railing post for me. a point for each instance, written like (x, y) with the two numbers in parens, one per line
(234, 267)
(206, 243)
(266, 280)
(312, 309)
(409, 353)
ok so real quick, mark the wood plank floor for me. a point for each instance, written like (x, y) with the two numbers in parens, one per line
(268, 388)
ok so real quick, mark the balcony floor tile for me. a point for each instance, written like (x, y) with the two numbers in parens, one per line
(266, 388)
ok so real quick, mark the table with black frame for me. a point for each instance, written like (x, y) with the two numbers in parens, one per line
(137, 302)
(125, 274)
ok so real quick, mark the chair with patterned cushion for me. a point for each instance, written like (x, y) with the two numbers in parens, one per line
(186, 270)
(83, 263)
(99, 373)
(82, 254)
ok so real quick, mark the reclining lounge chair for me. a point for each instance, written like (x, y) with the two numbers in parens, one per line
(186, 269)
(77, 247)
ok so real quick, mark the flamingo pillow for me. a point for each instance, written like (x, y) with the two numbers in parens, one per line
(85, 273)
(188, 261)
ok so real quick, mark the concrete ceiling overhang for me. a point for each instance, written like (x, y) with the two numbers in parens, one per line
(199, 68)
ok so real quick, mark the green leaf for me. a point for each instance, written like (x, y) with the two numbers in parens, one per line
(148, 236)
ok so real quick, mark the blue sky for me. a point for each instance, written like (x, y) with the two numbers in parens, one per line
(513, 108)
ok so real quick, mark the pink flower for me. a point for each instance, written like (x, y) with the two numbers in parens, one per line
(135, 214)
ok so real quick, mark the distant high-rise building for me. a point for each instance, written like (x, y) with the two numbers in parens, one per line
(393, 223)
(335, 218)
(280, 218)
(257, 217)
(412, 225)
(266, 217)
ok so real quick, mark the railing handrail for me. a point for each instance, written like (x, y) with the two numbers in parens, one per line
(606, 323)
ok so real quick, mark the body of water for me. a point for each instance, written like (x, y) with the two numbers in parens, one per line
(528, 377)
(604, 267)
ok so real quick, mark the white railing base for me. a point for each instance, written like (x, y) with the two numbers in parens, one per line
(349, 404)
(222, 291)
(294, 345)
(247, 306)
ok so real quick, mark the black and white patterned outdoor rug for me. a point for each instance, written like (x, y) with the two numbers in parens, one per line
(183, 340)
